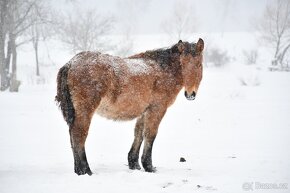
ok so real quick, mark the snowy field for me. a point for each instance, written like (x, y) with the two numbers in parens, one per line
(230, 135)
(233, 137)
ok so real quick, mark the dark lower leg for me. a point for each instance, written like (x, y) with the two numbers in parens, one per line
(152, 119)
(133, 155)
(81, 165)
(146, 158)
(80, 162)
(79, 130)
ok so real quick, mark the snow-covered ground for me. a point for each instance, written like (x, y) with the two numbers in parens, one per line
(232, 136)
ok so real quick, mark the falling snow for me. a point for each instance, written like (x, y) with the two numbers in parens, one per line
(230, 135)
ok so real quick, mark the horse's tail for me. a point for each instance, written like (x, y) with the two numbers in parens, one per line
(63, 97)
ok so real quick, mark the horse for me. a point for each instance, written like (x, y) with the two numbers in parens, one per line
(141, 86)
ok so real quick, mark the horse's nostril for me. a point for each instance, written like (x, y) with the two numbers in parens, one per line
(185, 94)
(193, 94)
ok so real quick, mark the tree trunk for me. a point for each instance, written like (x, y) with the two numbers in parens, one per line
(282, 55)
(275, 61)
(3, 71)
(14, 83)
(9, 53)
(4, 78)
(35, 46)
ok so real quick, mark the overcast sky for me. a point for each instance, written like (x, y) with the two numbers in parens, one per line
(211, 15)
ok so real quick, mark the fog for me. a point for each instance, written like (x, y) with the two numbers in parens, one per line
(147, 16)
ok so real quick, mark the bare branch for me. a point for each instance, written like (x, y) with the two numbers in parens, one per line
(182, 23)
(85, 30)
(24, 16)
(275, 28)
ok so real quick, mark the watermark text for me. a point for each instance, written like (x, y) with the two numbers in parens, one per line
(251, 186)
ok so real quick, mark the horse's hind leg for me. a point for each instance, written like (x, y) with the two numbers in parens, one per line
(133, 155)
(152, 119)
(78, 134)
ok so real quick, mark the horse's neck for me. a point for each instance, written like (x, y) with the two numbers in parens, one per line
(164, 57)
(167, 61)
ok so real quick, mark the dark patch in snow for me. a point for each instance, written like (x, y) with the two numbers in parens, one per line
(167, 185)
(182, 159)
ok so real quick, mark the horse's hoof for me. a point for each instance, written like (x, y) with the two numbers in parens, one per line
(89, 172)
(82, 171)
(134, 166)
(150, 169)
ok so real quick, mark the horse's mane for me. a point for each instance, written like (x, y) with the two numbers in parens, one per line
(163, 56)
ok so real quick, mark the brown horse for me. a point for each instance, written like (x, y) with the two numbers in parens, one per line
(142, 86)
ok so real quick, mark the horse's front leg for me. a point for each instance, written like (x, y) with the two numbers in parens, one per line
(152, 119)
(133, 155)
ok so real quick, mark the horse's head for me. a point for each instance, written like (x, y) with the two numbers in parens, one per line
(191, 62)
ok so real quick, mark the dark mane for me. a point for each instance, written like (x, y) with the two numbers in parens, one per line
(165, 57)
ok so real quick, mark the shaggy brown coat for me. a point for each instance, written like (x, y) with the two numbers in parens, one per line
(142, 86)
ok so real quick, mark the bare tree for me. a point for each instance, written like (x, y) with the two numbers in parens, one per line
(85, 30)
(250, 56)
(182, 23)
(41, 22)
(275, 29)
(15, 23)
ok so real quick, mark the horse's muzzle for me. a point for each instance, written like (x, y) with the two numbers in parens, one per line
(190, 97)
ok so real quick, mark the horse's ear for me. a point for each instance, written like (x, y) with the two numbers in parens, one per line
(180, 46)
(199, 46)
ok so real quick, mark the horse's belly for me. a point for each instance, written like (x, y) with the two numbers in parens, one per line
(122, 109)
